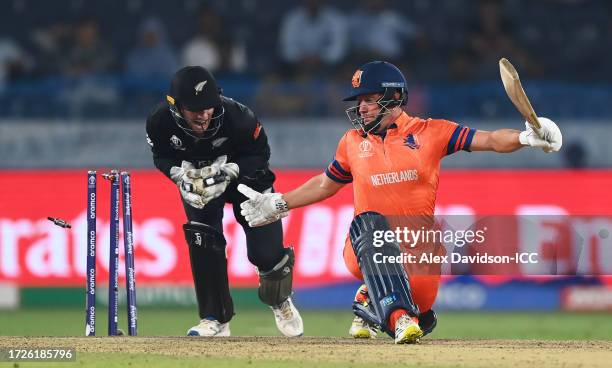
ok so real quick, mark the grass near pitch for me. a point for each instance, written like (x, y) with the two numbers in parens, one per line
(462, 339)
(260, 322)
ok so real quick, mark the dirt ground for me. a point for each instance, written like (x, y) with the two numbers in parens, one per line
(431, 352)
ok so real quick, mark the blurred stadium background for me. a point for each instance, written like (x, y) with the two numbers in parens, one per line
(77, 79)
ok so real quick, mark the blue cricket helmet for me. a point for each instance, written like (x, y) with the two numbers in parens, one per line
(378, 77)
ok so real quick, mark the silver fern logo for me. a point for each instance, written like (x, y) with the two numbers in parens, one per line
(219, 141)
(200, 86)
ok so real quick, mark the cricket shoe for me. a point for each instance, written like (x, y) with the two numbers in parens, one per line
(407, 330)
(210, 328)
(288, 319)
(360, 329)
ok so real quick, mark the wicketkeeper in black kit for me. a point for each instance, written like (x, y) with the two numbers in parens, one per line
(207, 144)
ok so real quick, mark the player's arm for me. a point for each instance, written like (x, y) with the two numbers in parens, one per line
(548, 138)
(314, 190)
(501, 140)
(163, 157)
(252, 150)
(264, 208)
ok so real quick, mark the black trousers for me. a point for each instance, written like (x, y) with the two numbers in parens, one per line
(264, 244)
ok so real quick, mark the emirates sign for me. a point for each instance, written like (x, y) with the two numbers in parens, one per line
(35, 252)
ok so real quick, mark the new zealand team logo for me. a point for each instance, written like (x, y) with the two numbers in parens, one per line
(218, 142)
(200, 86)
(412, 142)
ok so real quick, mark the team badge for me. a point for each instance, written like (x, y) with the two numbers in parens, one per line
(218, 142)
(176, 143)
(412, 142)
(356, 81)
(200, 86)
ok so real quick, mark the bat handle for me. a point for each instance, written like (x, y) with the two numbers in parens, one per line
(533, 120)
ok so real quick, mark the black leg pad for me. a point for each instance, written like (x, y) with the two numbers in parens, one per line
(209, 269)
(276, 285)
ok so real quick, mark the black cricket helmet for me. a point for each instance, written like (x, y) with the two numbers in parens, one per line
(376, 77)
(194, 88)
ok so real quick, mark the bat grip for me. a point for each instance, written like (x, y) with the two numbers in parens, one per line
(533, 120)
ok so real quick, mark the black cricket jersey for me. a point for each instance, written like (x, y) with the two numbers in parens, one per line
(241, 137)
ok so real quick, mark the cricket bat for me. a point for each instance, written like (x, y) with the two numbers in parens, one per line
(514, 89)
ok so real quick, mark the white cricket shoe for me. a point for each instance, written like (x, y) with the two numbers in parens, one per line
(407, 330)
(210, 328)
(288, 319)
(360, 329)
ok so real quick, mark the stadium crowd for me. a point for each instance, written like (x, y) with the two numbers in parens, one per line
(277, 54)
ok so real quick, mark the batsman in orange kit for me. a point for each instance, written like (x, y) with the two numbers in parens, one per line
(393, 161)
(398, 178)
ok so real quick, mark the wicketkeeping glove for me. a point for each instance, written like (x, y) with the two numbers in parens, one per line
(183, 181)
(211, 181)
(262, 208)
(548, 137)
(220, 165)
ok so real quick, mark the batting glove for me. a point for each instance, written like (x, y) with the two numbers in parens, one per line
(548, 137)
(262, 208)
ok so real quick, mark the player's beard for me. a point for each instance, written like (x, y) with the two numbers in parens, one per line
(373, 124)
(361, 123)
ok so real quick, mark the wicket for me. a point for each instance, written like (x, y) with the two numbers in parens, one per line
(117, 193)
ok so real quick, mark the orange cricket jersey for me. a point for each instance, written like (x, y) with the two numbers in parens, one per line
(397, 173)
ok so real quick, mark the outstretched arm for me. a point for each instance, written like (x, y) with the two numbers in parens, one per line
(548, 138)
(314, 190)
(264, 208)
(502, 140)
